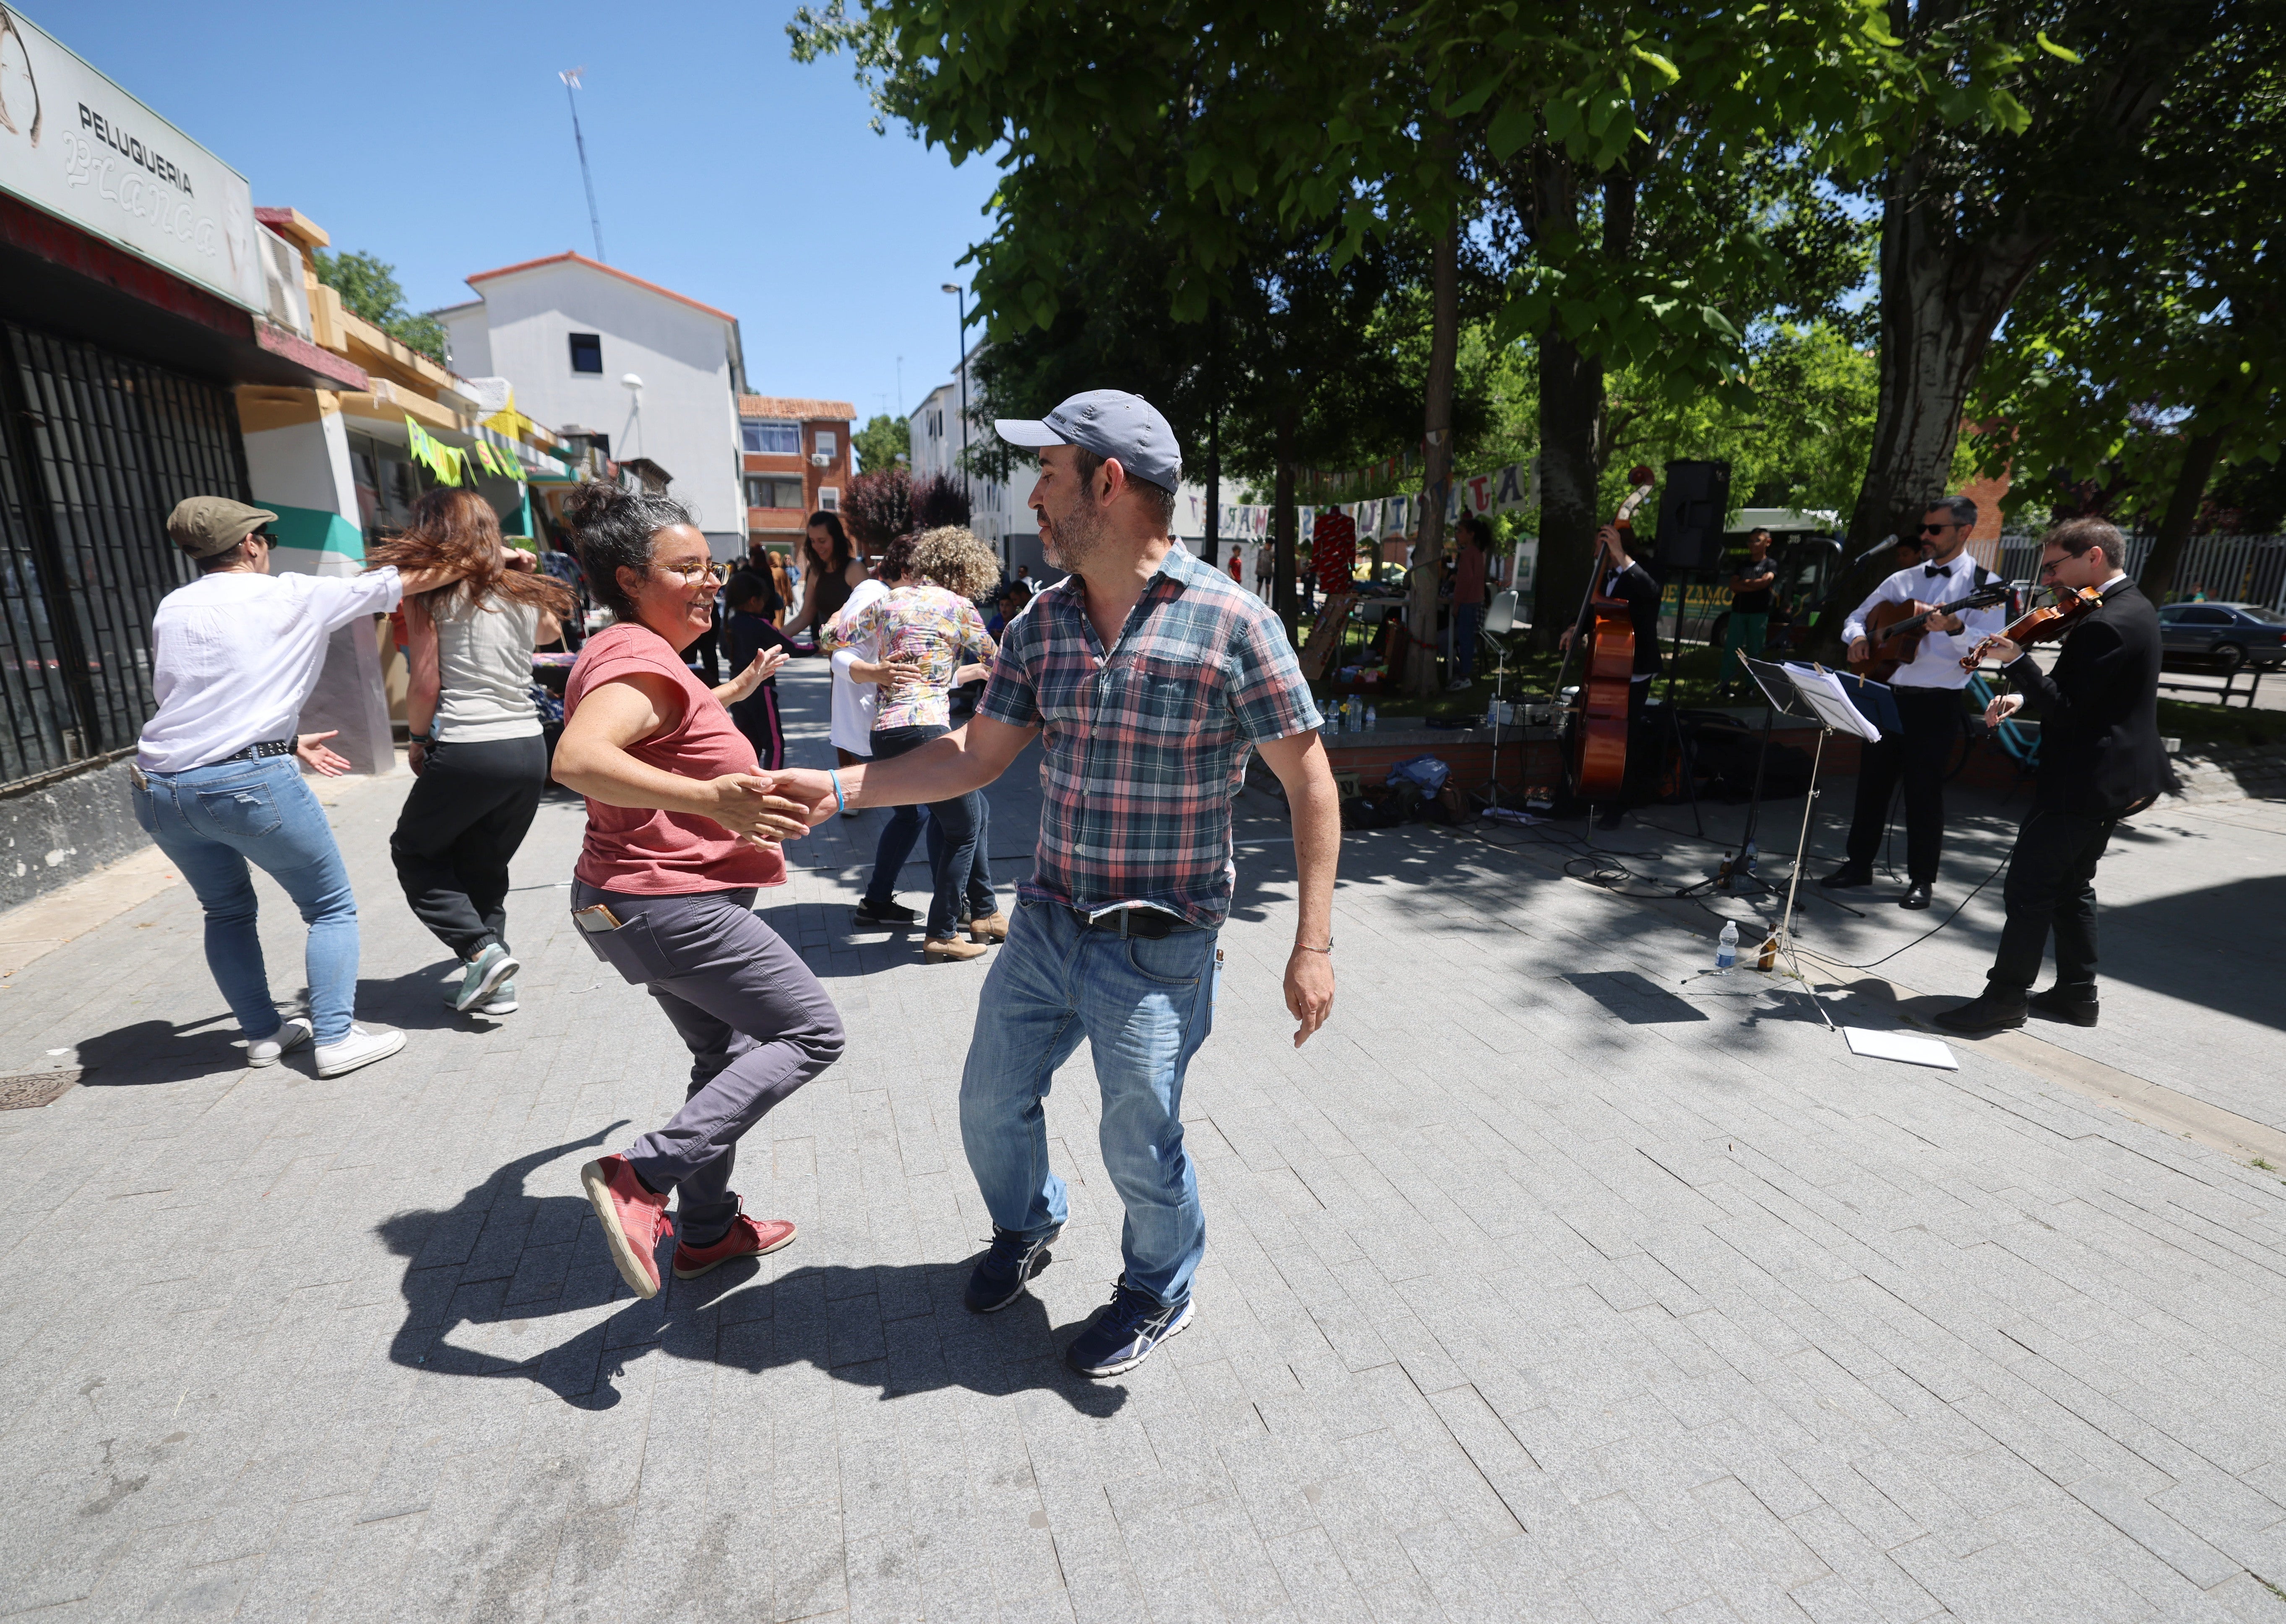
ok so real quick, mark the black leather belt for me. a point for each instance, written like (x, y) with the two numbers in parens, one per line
(1151, 924)
(256, 753)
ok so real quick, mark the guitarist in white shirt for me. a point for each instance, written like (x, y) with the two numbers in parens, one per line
(1928, 691)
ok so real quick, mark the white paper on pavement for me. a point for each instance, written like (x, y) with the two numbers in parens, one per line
(1899, 1046)
(1827, 696)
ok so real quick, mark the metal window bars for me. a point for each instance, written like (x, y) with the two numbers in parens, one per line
(95, 449)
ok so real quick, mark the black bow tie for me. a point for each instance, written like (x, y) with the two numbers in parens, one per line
(1934, 570)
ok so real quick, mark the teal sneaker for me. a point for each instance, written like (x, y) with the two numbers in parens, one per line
(502, 1001)
(485, 972)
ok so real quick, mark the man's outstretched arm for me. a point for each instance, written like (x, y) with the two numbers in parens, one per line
(1314, 804)
(966, 759)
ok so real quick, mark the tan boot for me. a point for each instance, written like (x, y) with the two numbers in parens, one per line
(989, 928)
(952, 948)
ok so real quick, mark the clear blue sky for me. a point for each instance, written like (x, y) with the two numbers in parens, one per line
(437, 136)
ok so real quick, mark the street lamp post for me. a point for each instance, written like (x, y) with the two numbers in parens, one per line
(960, 364)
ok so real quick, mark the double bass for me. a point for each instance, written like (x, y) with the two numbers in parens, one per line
(1599, 758)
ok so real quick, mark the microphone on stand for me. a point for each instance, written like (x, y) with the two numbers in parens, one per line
(1886, 541)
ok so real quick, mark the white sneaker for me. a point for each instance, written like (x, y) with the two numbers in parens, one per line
(265, 1051)
(364, 1046)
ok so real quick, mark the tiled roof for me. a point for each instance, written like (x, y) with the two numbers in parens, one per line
(597, 264)
(801, 411)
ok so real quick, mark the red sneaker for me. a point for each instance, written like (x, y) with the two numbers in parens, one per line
(748, 1238)
(633, 1220)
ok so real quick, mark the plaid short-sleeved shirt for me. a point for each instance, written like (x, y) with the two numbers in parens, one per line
(1146, 745)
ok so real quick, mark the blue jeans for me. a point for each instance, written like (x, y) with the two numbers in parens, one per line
(956, 824)
(1143, 1007)
(213, 821)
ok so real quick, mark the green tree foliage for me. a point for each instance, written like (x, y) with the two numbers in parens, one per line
(1794, 437)
(2150, 352)
(369, 287)
(1971, 208)
(882, 443)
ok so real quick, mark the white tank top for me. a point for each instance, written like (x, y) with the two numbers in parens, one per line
(483, 669)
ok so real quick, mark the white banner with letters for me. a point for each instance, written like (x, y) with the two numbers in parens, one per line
(76, 144)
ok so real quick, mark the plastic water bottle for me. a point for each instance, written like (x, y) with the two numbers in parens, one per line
(1372, 717)
(1726, 947)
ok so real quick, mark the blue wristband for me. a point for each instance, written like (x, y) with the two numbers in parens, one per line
(840, 804)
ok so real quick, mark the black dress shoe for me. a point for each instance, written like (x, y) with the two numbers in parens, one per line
(2062, 1004)
(1915, 897)
(1988, 1011)
(1610, 818)
(1847, 876)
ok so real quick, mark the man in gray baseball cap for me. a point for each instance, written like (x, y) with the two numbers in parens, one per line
(1150, 676)
(1112, 423)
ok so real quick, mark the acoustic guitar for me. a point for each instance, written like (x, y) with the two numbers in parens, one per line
(1894, 630)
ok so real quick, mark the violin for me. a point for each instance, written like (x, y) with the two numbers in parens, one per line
(1599, 728)
(2045, 624)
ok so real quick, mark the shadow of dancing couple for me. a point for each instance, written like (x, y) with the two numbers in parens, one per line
(490, 1282)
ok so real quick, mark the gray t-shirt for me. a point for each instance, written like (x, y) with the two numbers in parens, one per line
(483, 669)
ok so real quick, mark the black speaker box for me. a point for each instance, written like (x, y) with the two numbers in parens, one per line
(1693, 500)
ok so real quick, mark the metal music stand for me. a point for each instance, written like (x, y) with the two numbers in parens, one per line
(1832, 712)
(1499, 620)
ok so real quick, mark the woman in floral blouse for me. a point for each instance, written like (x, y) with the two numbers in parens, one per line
(931, 620)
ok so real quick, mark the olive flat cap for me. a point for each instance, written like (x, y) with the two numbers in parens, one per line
(205, 525)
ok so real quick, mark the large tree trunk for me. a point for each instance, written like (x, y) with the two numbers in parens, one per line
(1214, 438)
(1436, 425)
(1571, 428)
(2199, 459)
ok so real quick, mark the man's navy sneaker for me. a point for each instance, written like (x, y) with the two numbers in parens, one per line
(1002, 1273)
(1124, 1331)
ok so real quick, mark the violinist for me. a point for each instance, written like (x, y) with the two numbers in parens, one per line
(1926, 689)
(2100, 761)
(1621, 577)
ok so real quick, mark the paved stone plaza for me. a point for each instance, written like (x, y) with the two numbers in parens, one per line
(1541, 1285)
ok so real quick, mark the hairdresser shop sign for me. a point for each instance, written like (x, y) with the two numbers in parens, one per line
(76, 144)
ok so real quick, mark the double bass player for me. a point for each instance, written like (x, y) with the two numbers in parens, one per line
(1622, 578)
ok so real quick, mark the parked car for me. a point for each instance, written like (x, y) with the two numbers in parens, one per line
(2227, 635)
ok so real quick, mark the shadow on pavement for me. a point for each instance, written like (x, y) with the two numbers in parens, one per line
(2217, 947)
(161, 1051)
(484, 1277)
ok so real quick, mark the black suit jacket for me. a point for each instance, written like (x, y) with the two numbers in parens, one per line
(1642, 597)
(2099, 710)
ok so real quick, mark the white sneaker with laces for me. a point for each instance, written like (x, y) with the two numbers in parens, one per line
(293, 1035)
(364, 1046)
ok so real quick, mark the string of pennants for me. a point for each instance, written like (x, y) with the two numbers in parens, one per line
(1502, 490)
(458, 464)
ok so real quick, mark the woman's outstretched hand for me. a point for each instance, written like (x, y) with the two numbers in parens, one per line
(311, 747)
(767, 664)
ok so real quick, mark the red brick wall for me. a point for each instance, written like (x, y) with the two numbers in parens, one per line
(786, 525)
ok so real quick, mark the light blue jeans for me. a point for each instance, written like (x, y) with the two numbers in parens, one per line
(1143, 1007)
(212, 822)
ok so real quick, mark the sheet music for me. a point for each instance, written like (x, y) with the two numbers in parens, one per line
(1825, 696)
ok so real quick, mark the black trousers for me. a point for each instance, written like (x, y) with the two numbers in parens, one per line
(468, 813)
(2050, 888)
(1931, 727)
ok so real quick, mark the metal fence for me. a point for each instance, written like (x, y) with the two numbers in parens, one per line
(2228, 569)
(94, 450)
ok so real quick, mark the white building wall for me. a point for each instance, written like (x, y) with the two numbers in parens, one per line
(521, 330)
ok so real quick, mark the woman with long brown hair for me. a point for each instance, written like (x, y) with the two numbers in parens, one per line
(481, 761)
(830, 570)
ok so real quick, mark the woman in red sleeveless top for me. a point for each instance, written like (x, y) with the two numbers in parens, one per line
(681, 831)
